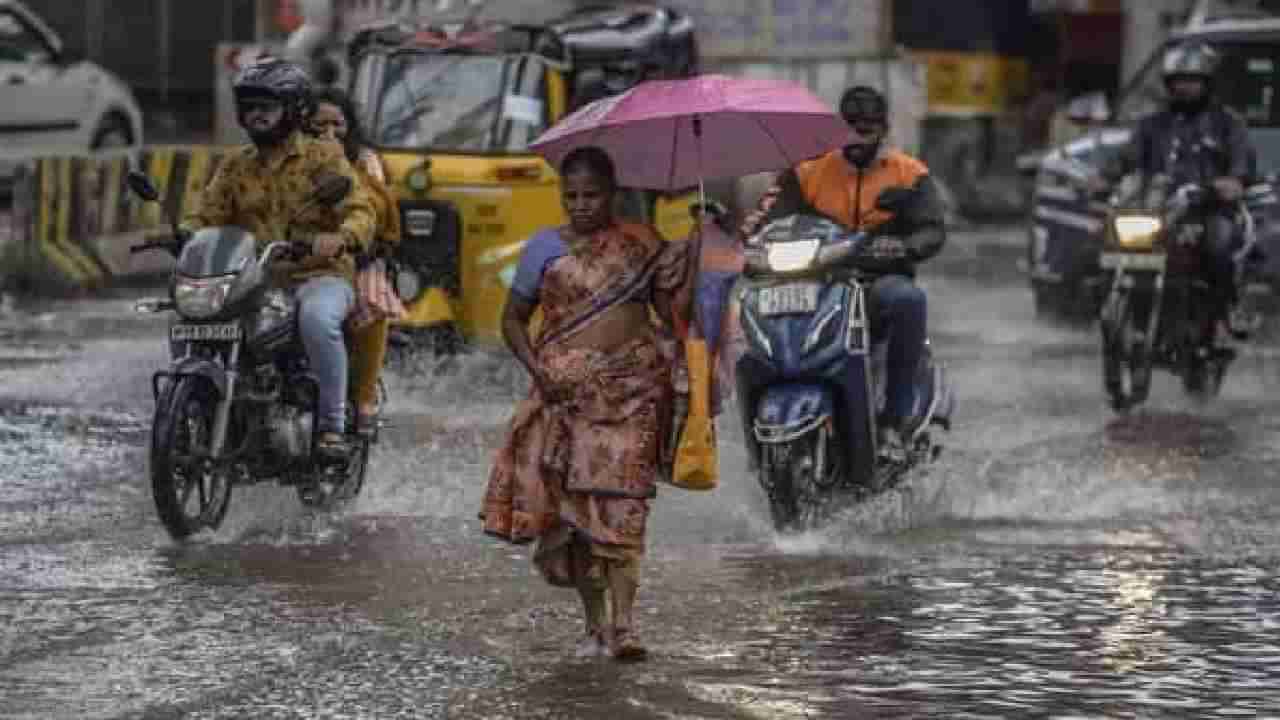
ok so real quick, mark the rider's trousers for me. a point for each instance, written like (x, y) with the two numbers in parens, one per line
(899, 311)
(323, 306)
(1220, 244)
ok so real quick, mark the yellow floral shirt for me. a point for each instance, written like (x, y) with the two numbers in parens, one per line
(262, 195)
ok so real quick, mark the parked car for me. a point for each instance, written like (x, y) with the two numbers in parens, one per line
(1066, 219)
(51, 101)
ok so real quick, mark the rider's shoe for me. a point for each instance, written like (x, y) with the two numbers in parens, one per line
(1241, 322)
(895, 438)
(891, 445)
(331, 447)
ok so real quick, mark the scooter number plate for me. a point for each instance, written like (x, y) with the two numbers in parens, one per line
(788, 299)
(1131, 261)
(195, 333)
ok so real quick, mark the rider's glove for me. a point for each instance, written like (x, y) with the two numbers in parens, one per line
(1229, 189)
(887, 248)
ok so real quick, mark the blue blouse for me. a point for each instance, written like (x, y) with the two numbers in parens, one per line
(544, 248)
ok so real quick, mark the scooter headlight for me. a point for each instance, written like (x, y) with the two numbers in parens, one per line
(200, 298)
(793, 256)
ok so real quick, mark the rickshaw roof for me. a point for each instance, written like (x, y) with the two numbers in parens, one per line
(592, 34)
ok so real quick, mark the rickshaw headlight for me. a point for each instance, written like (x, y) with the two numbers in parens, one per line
(418, 180)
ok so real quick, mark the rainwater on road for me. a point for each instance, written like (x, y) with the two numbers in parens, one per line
(1057, 562)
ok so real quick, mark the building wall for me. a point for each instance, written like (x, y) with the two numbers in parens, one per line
(1147, 24)
(164, 50)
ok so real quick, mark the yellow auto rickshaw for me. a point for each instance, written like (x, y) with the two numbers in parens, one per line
(452, 110)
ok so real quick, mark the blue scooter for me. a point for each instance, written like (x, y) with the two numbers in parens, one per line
(808, 385)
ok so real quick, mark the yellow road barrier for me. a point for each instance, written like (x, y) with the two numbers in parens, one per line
(74, 217)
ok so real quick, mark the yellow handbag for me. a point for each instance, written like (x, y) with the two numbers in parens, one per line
(696, 465)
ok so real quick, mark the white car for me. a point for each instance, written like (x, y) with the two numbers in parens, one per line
(52, 103)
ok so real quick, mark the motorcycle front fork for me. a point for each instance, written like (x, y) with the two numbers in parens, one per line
(1122, 284)
(222, 418)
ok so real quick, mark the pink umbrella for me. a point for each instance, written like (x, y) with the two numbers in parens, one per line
(672, 134)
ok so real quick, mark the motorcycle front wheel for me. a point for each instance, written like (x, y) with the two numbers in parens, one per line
(1126, 371)
(191, 491)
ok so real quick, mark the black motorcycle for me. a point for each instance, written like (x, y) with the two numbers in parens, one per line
(1158, 311)
(237, 405)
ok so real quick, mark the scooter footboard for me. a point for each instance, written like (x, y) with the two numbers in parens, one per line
(785, 412)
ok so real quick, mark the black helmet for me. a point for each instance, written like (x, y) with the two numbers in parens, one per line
(862, 103)
(1194, 58)
(281, 80)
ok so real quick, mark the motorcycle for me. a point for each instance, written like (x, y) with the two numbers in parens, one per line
(237, 404)
(810, 381)
(1158, 311)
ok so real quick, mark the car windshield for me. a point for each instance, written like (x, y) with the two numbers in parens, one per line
(1247, 81)
(457, 103)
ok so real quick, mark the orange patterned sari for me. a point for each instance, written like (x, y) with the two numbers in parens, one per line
(590, 464)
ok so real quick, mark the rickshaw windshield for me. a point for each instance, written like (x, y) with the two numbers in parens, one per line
(459, 103)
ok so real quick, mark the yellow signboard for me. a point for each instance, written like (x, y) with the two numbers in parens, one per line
(968, 84)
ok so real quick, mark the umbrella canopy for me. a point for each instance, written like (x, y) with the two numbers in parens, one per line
(672, 134)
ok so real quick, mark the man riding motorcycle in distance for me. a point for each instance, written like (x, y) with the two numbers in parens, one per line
(264, 185)
(1198, 139)
(844, 186)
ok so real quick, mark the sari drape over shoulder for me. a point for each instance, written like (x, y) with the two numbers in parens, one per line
(590, 464)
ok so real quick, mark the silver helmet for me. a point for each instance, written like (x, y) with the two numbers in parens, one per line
(1194, 58)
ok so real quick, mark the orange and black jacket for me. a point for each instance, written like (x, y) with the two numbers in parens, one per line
(830, 187)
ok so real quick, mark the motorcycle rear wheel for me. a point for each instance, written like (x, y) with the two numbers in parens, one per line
(330, 494)
(181, 470)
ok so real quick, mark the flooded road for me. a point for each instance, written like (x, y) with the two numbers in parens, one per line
(1057, 562)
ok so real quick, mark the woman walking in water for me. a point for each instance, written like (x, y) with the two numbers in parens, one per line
(580, 463)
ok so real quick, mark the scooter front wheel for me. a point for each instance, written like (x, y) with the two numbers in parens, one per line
(799, 478)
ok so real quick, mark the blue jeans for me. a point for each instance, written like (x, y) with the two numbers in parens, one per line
(898, 310)
(323, 305)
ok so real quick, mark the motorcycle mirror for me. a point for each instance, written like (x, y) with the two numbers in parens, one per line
(331, 190)
(142, 186)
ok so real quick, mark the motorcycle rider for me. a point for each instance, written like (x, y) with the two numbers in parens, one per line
(266, 184)
(1196, 139)
(844, 186)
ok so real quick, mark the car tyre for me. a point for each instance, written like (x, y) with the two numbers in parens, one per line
(113, 133)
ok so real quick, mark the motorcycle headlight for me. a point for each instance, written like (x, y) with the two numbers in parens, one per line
(202, 297)
(1136, 232)
(793, 256)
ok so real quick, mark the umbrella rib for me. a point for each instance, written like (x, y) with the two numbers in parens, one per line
(767, 131)
(675, 142)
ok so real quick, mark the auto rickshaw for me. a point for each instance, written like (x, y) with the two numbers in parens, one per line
(452, 110)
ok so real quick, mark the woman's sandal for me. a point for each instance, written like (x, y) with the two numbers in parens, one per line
(592, 644)
(624, 645)
(367, 423)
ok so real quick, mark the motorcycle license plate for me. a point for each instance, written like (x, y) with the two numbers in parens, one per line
(1132, 261)
(788, 299)
(212, 331)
